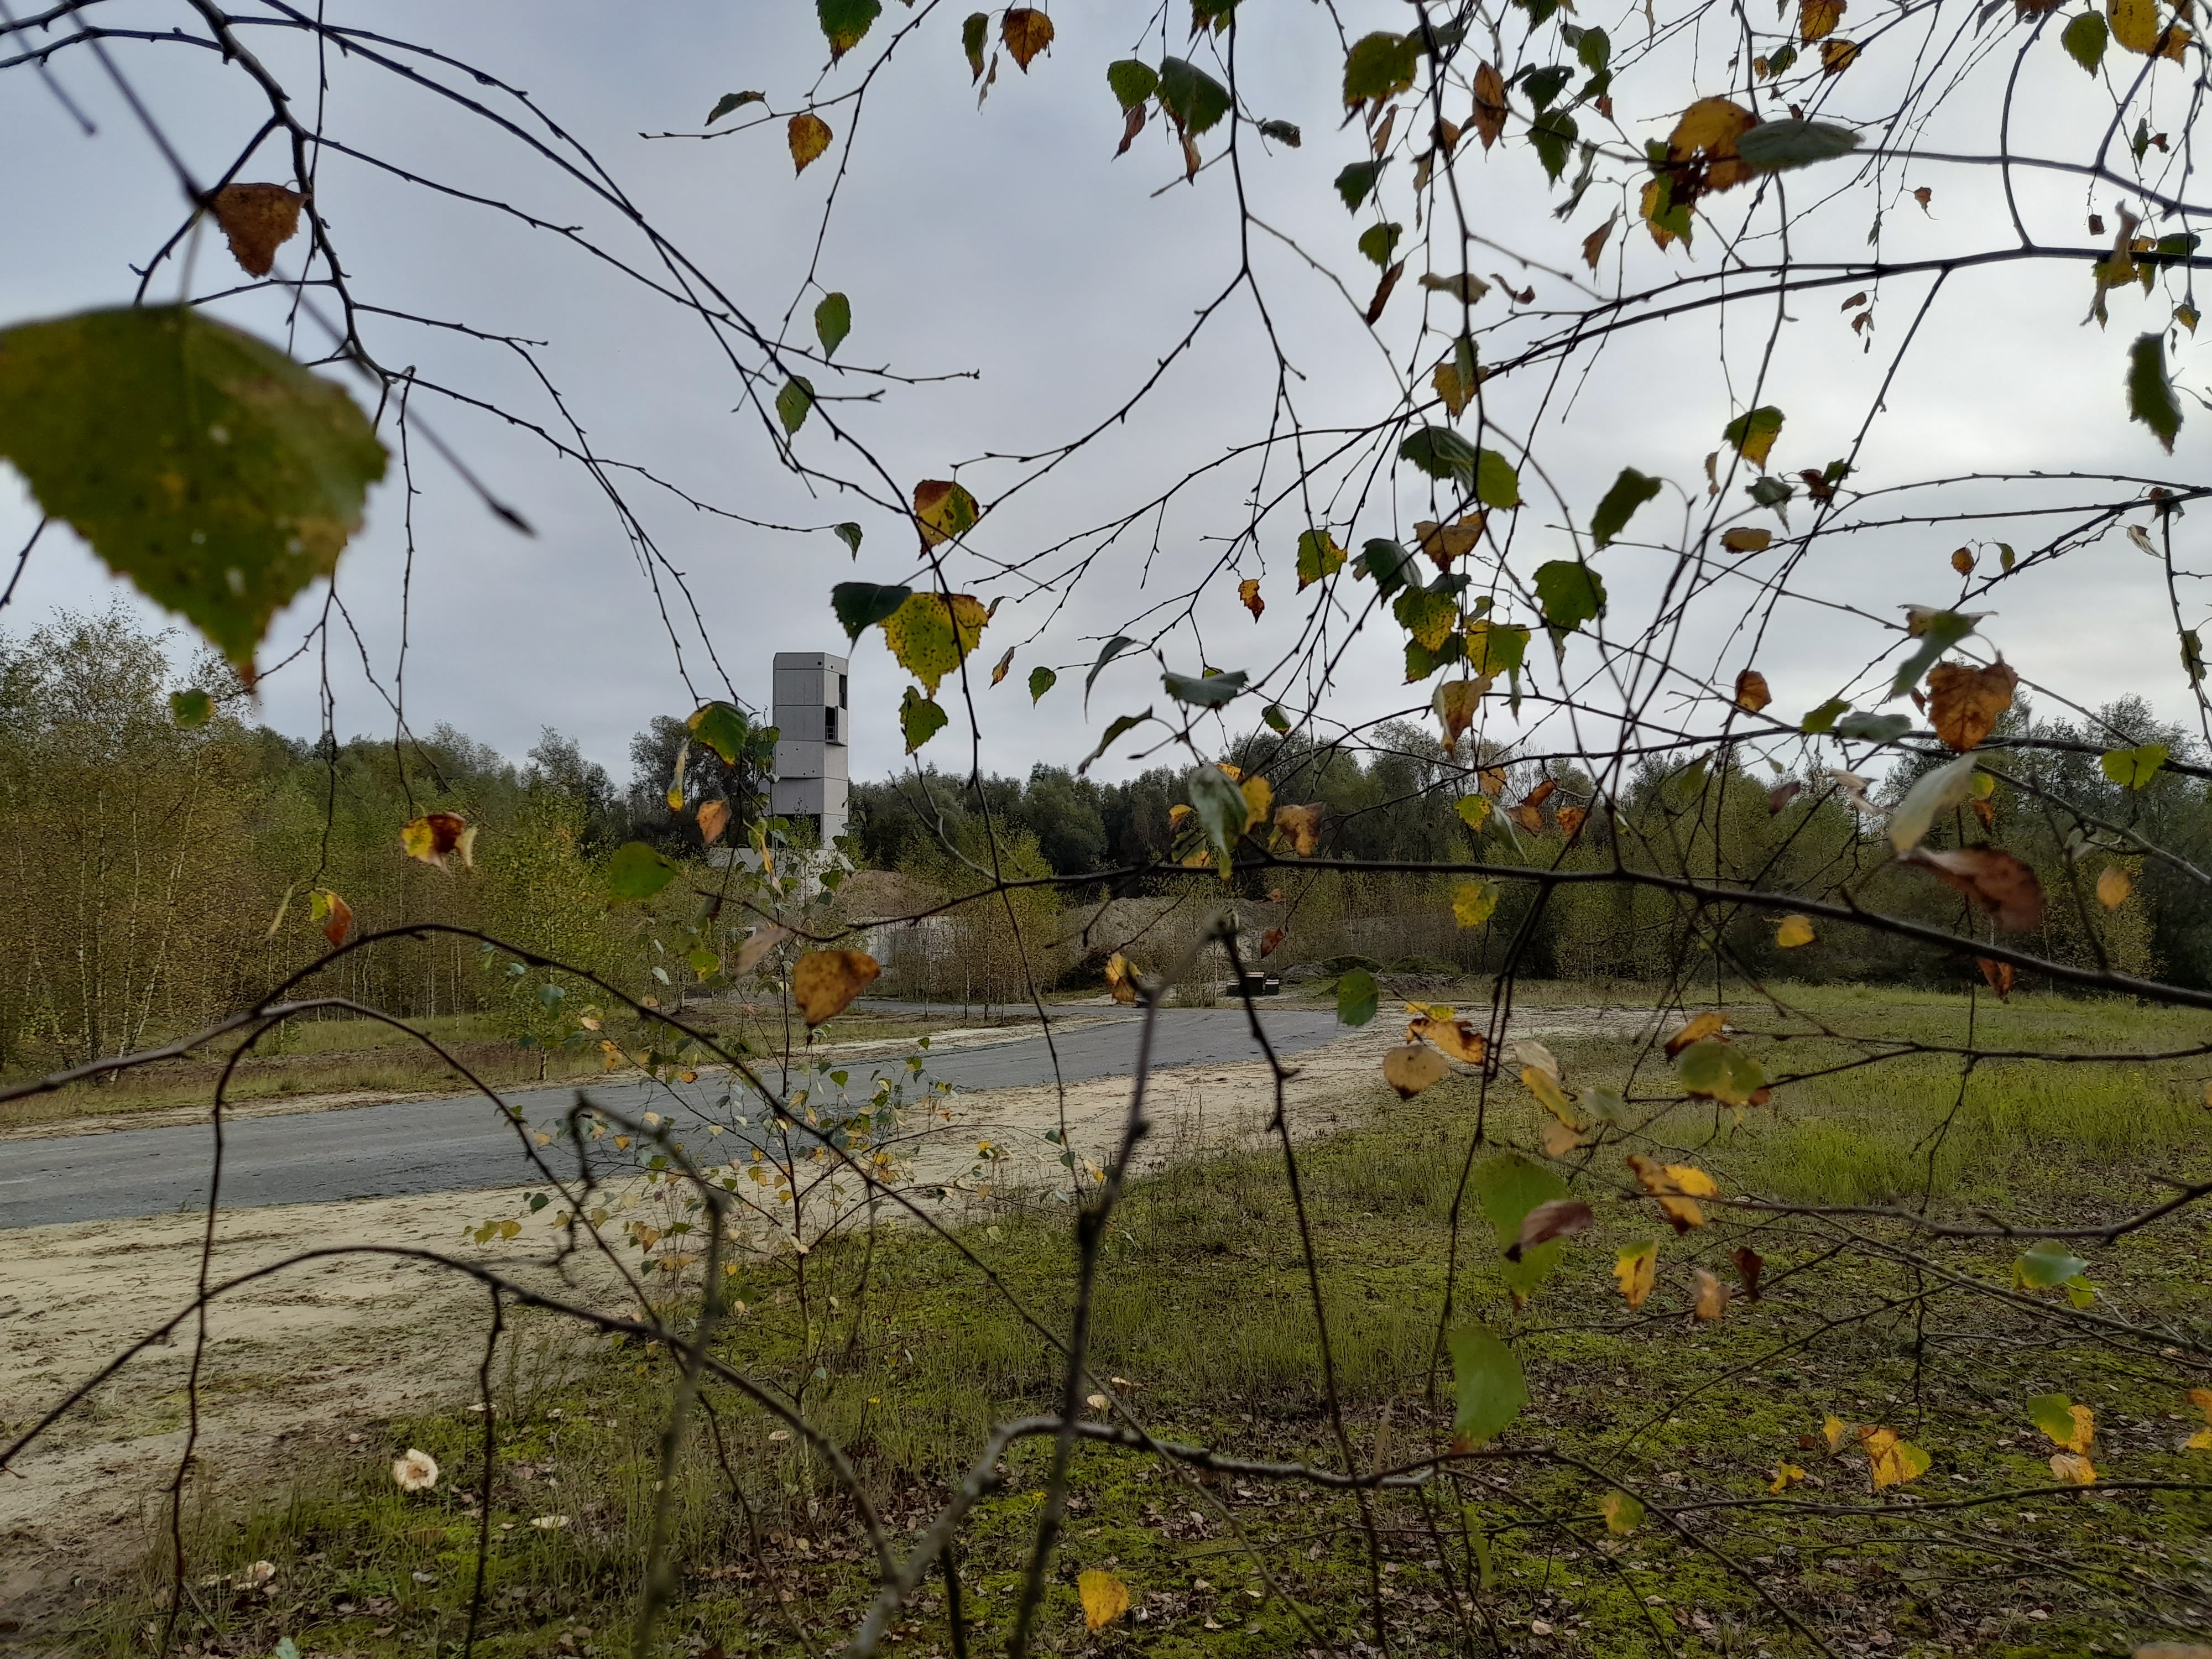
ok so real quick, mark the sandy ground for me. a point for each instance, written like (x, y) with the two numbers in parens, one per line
(296, 1362)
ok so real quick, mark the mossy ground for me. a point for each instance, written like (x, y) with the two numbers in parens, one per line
(905, 1353)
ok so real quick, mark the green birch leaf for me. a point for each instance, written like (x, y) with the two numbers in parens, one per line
(721, 727)
(1569, 592)
(1491, 1391)
(1630, 491)
(1378, 66)
(1318, 557)
(845, 21)
(1358, 997)
(1357, 182)
(2084, 40)
(973, 33)
(1042, 680)
(848, 533)
(1777, 146)
(2150, 394)
(730, 101)
(1440, 453)
(833, 321)
(1122, 723)
(191, 708)
(1132, 81)
(1194, 100)
(860, 605)
(1277, 722)
(638, 872)
(2134, 768)
(1508, 1187)
(1496, 482)
(1205, 691)
(920, 719)
(208, 467)
(793, 403)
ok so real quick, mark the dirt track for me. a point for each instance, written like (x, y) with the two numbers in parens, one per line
(296, 1361)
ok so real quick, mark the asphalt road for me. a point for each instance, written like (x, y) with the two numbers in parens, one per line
(452, 1146)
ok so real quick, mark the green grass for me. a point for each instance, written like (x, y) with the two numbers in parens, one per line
(1204, 1308)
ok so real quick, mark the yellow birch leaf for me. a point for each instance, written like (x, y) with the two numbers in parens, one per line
(1892, 1461)
(1837, 56)
(1622, 1513)
(1259, 801)
(1412, 1067)
(1474, 902)
(1709, 1024)
(1636, 1268)
(1834, 1431)
(2074, 1468)
(930, 634)
(1794, 932)
(1560, 1139)
(1549, 1094)
(810, 136)
(2134, 24)
(2114, 887)
(1105, 1598)
(1786, 1475)
(1817, 19)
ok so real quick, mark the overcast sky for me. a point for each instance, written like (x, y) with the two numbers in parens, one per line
(1005, 246)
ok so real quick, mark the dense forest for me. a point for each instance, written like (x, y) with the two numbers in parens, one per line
(158, 873)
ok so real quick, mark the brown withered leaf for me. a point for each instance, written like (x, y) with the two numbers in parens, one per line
(1541, 794)
(1248, 593)
(1751, 692)
(825, 982)
(1965, 702)
(1999, 975)
(1749, 1264)
(713, 818)
(1300, 826)
(335, 914)
(1570, 820)
(1004, 663)
(1528, 818)
(1594, 244)
(1553, 1219)
(1744, 540)
(763, 939)
(1383, 291)
(436, 836)
(1271, 941)
(1490, 780)
(1782, 794)
(259, 219)
(1445, 542)
(1131, 125)
(1489, 117)
(2001, 884)
(1456, 1038)
(1026, 32)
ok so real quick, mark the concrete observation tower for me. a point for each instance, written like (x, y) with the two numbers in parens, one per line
(811, 779)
